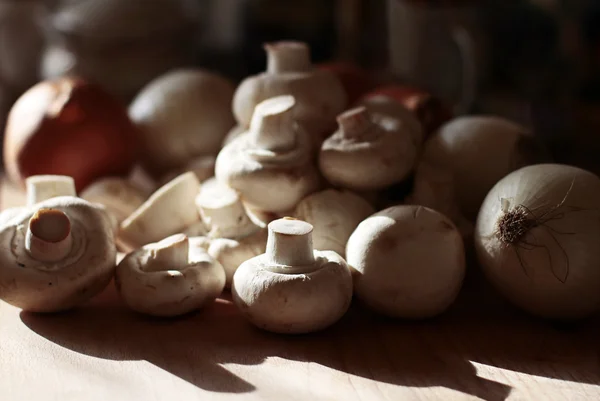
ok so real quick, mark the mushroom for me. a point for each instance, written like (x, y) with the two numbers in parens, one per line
(370, 151)
(40, 188)
(409, 262)
(203, 167)
(118, 195)
(292, 288)
(234, 133)
(169, 210)
(319, 94)
(334, 215)
(56, 253)
(169, 278)
(272, 165)
(182, 115)
(234, 237)
(430, 110)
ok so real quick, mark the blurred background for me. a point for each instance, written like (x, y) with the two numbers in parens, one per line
(534, 61)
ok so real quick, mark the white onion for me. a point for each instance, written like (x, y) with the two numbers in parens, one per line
(479, 151)
(183, 114)
(538, 240)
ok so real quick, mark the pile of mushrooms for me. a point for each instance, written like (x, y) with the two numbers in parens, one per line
(290, 209)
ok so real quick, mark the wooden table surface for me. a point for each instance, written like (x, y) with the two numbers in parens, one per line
(480, 349)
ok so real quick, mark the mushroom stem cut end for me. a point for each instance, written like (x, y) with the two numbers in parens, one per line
(272, 125)
(169, 254)
(42, 187)
(48, 237)
(353, 123)
(287, 56)
(290, 243)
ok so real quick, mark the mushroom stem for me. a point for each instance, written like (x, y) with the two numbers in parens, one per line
(285, 57)
(224, 213)
(48, 237)
(169, 254)
(290, 243)
(355, 122)
(43, 187)
(272, 126)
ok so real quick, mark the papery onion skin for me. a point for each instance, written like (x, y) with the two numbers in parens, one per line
(71, 127)
(537, 240)
(182, 115)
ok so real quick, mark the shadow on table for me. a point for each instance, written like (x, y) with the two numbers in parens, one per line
(428, 354)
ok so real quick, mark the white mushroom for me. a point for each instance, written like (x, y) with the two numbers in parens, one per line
(272, 165)
(169, 278)
(319, 94)
(169, 210)
(369, 151)
(235, 238)
(203, 167)
(118, 195)
(334, 215)
(292, 288)
(409, 262)
(42, 187)
(56, 254)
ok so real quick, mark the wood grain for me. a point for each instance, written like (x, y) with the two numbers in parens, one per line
(480, 349)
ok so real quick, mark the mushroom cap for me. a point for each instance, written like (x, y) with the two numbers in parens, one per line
(384, 105)
(167, 288)
(7, 215)
(282, 301)
(51, 287)
(231, 253)
(118, 195)
(334, 215)
(202, 166)
(319, 95)
(409, 260)
(372, 162)
(193, 107)
(267, 180)
(169, 210)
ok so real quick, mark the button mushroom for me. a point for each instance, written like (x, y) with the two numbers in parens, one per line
(409, 260)
(334, 215)
(169, 278)
(56, 255)
(118, 195)
(272, 165)
(234, 237)
(370, 151)
(319, 94)
(169, 210)
(292, 288)
(203, 167)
